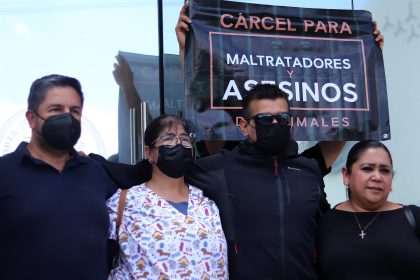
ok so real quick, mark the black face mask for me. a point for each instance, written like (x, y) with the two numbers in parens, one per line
(174, 161)
(273, 139)
(61, 131)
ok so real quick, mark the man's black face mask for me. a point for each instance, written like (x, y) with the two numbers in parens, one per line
(61, 131)
(273, 138)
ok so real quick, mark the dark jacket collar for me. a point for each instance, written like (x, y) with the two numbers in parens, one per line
(247, 147)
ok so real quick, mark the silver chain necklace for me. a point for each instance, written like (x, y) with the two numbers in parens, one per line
(362, 233)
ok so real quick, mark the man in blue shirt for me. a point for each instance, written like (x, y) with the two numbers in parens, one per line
(53, 217)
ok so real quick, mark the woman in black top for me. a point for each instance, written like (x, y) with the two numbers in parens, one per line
(367, 236)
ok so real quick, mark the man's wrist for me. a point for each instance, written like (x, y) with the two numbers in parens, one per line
(128, 88)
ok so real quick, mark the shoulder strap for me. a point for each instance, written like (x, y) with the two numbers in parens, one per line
(412, 221)
(121, 206)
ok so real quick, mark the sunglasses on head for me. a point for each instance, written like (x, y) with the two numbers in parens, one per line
(264, 119)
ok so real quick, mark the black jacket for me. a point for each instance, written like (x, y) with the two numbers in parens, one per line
(269, 208)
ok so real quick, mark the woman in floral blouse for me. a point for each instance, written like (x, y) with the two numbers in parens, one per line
(169, 230)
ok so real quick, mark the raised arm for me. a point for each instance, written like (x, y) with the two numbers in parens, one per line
(124, 78)
(379, 38)
(331, 150)
(325, 153)
(181, 29)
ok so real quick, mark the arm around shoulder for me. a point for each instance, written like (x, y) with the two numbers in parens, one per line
(126, 175)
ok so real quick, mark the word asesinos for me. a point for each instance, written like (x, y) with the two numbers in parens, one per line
(329, 92)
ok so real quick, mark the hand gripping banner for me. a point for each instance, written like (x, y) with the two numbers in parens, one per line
(327, 62)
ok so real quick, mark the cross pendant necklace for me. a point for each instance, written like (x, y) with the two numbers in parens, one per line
(362, 233)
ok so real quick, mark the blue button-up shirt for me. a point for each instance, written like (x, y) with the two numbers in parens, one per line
(53, 225)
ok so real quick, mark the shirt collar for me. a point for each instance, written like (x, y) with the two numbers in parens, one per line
(25, 156)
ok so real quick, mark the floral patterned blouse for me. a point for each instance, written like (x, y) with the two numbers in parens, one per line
(159, 242)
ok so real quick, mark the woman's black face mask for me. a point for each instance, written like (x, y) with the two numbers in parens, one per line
(174, 161)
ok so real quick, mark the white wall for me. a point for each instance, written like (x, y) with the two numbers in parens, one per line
(402, 59)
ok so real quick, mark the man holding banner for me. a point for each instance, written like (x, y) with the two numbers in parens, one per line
(269, 197)
(326, 65)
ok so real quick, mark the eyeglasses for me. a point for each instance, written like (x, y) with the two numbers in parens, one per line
(265, 119)
(172, 140)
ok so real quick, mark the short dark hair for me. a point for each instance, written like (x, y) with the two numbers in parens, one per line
(262, 91)
(157, 125)
(40, 87)
(356, 152)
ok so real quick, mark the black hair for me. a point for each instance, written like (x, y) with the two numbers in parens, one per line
(356, 152)
(157, 125)
(360, 147)
(40, 87)
(262, 91)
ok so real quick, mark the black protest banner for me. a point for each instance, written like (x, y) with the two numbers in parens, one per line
(327, 62)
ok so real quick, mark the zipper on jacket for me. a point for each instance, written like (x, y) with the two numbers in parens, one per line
(281, 183)
(276, 168)
(286, 187)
